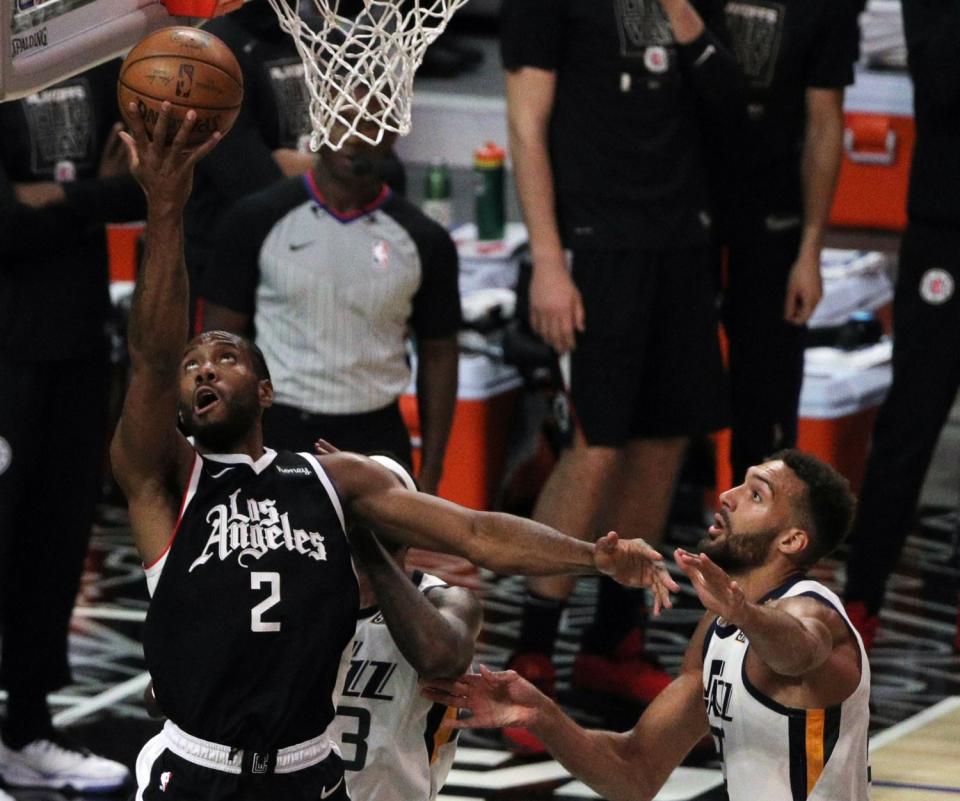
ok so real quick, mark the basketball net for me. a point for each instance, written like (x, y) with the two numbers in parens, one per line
(359, 70)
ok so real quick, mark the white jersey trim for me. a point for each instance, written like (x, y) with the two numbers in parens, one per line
(258, 466)
(155, 568)
(328, 486)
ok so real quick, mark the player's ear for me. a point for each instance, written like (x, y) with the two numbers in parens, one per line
(794, 541)
(265, 393)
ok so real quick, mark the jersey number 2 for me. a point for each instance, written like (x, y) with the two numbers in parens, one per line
(257, 623)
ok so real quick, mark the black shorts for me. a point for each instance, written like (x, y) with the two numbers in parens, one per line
(379, 431)
(165, 776)
(648, 364)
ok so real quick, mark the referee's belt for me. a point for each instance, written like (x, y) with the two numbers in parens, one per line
(244, 761)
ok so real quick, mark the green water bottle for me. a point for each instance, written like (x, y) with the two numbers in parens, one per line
(437, 200)
(488, 176)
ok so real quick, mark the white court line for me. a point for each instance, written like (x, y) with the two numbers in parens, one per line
(488, 757)
(102, 700)
(111, 613)
(508, 778)
(909, 725)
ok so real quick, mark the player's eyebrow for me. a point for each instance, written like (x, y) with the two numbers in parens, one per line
(752, 473)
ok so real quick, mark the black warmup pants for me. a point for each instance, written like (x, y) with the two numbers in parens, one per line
(766, 352)
(52, 422)
(926, 376)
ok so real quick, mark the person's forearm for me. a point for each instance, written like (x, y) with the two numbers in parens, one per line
(534, 179)
(512, 545)
(822, 154)
(788, 645)
(158, 318)
(437, 364)
(597, 758)
(427, 639)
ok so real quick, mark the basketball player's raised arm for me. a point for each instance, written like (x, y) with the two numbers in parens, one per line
(500, 542)
(793, 637)
(151, 459)
(631, 766)
(434, 630)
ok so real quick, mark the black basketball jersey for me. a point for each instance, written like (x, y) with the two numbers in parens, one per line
(253, 603)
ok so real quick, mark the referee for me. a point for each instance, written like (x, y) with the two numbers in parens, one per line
(333, 270)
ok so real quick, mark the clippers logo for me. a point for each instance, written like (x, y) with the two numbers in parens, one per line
(756, 29)
(185, 80)
(936, 286)
(260, 763)
(717, 693)
(249, 529)
(165, 780)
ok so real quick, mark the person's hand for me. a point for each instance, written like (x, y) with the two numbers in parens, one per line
(165, 171)
(39, 195)
(804, 289)
(556, 308)
(718, 592)
(494, 700)
(323, 448)
(633, 563)
(113, 160)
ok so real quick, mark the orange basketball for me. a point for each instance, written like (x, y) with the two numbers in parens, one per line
(193, 70)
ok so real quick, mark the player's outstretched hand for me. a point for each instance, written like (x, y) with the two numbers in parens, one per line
(718, 592)
(165, 171)
(492, 700)
(633, 563)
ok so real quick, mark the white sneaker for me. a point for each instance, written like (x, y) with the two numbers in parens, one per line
(58, 764)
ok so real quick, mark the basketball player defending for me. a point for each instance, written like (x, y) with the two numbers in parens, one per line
(774, 671)
(411, 626)
(254, 597)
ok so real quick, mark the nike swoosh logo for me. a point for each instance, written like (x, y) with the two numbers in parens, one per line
(217, 475)
(295, 246)
(325, 793)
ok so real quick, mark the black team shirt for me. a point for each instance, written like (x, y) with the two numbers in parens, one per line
(626, 143)
(783, 48)
(54, 296)
(253, 603)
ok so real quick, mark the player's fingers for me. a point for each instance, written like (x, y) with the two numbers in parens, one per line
(137, 128)
(179, 143)
(163, 124)
(199, 152)
(131, 148)
(667, 580)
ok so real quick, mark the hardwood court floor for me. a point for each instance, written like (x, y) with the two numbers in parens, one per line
(915, 673)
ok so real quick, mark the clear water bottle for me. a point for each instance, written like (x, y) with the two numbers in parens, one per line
(438, 202)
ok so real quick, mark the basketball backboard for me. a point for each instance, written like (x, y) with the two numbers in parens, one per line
(45, 41)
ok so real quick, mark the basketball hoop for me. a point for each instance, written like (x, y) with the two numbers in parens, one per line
(359, 70)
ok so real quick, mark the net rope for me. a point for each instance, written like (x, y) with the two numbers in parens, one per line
(359, 69)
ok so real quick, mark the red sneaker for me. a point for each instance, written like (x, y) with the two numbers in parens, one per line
(539, 671)
(863, 622)
(628, 673)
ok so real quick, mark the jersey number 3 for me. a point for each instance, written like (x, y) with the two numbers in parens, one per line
(257, 623)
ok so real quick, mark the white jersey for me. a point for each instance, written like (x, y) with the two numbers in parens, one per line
(778, 753)
(389, 735)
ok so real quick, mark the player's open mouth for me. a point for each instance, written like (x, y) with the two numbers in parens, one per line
(203, 399)
(716, 529)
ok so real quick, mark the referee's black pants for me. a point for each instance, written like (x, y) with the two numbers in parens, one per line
(926, 376)
(765, 351)
(53, 418)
